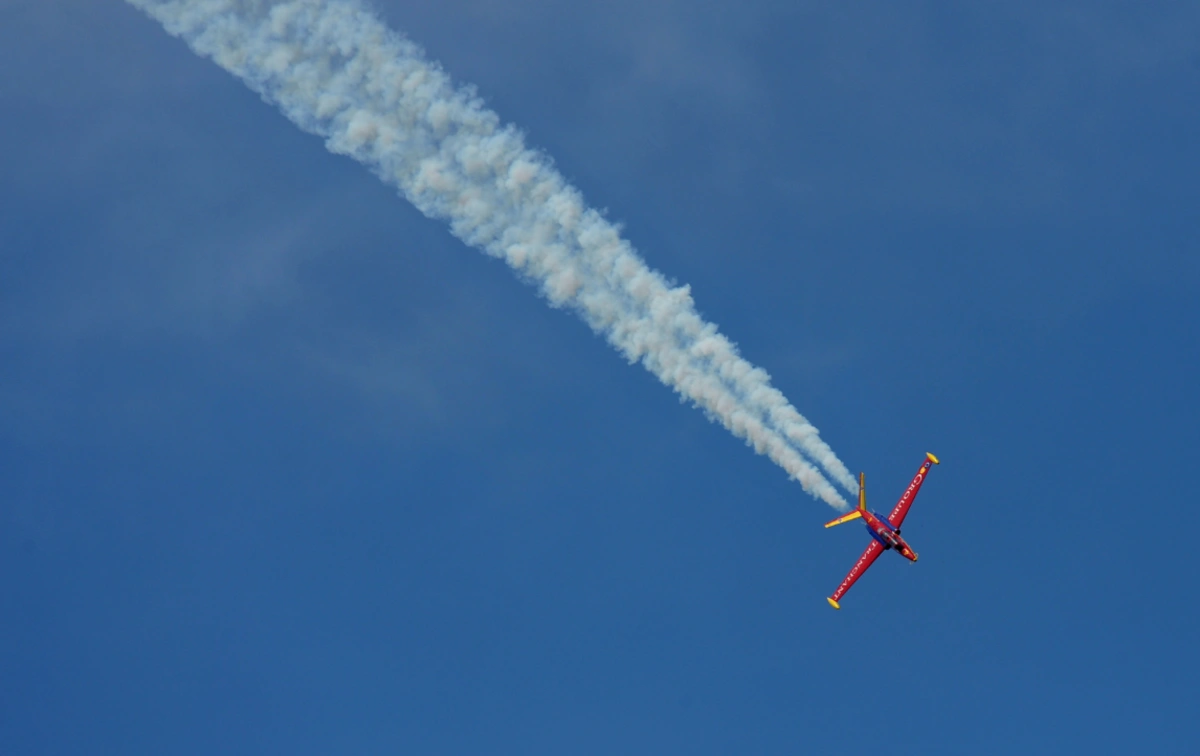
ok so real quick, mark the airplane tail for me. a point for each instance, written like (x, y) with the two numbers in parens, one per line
(862, 504)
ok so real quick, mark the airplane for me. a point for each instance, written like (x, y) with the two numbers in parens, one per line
(885, 533)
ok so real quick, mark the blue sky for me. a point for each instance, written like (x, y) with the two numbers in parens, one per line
(284, 467)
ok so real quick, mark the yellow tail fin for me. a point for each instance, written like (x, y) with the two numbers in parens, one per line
(845, 518)
(862, 504)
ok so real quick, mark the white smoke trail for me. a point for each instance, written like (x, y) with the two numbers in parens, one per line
(335, 70)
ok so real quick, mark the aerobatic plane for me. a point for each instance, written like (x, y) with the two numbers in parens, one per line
(885, 533)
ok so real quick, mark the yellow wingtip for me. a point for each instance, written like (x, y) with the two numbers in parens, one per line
(929, 456)
(833, 603)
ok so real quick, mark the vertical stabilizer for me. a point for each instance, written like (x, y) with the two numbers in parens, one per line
(862, 505)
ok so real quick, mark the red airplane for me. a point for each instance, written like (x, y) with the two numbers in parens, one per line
(885, 533)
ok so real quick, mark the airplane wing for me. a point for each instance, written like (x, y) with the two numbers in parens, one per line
(866, 560)
(901, 511)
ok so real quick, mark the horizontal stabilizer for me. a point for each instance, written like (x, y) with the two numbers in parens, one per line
(862, 504)
(845, 518)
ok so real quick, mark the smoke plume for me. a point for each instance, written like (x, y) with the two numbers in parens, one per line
(335, 70)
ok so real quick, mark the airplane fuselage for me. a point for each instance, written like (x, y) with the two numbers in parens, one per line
(889, 537)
